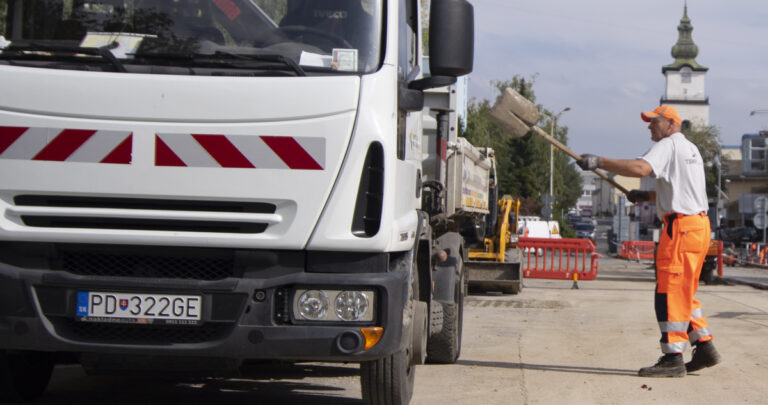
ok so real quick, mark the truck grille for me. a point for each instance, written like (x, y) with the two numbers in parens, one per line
(147, 266)
(140, 334)
(42, 211)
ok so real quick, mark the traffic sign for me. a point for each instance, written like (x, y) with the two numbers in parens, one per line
(546, 209)
(760, 204)
(759, 220)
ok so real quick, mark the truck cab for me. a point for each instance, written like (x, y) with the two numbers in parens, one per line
(228, 180)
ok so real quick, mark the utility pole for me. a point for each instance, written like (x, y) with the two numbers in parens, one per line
(552, 127)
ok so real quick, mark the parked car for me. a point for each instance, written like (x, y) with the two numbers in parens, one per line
(742, 235)
(572, 218)
(585, 230)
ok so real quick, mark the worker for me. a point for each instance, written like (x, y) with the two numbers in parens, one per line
(730, 255)
(753, 253)
(681, 203)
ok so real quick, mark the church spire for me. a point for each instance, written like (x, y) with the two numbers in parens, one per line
(685, 50)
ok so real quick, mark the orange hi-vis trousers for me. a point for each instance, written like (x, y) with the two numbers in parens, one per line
(682, 248)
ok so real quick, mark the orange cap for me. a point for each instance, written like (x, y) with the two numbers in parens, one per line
(665, 111)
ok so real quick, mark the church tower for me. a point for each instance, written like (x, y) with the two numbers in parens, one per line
(685, 87)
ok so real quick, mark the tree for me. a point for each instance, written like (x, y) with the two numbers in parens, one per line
(523, 163)
(275, 9)
(705, 138)
(3, 12)
(424, 6)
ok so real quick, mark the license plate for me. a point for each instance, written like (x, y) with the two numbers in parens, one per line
(138, 308)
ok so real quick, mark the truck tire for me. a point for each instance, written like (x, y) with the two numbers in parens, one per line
(435, 318)
(445, 347)
(24, 375)
(420, 333)
(388, 381)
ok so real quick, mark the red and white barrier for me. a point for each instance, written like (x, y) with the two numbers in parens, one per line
(638, 249)
(561, 259)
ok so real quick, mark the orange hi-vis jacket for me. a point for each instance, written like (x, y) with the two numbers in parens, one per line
(682, 249)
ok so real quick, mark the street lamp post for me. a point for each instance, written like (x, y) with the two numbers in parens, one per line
(552, 126)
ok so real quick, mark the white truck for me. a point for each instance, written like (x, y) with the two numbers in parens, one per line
(191, 185)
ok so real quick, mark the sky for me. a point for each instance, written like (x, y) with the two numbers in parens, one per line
(603, 59)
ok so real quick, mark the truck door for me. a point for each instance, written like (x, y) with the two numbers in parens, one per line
(409, 68)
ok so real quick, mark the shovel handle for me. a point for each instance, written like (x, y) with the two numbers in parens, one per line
(547, 137)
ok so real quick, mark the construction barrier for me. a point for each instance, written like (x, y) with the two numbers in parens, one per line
(637, 249)
(755, 255)
(719, 258)
(562, 259)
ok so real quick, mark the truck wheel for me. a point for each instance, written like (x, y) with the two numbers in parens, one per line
(24, 375)
(445, 347)
(420, 332)
(389, 380)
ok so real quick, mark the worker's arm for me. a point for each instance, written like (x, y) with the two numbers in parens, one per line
(626, 167)
(623, 167)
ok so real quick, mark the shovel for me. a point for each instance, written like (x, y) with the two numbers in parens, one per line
(517, 116)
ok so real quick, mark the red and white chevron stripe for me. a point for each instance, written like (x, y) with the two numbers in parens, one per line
(65, 145)
(240, 151)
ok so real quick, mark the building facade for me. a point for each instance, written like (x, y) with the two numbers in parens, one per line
(589, 182)
(746, 177)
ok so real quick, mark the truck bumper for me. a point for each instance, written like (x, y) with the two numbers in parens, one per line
(243, 318)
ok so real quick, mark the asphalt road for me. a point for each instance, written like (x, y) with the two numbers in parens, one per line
(550, 344)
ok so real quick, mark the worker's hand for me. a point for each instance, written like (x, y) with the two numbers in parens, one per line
(636, 196)
(588, 162)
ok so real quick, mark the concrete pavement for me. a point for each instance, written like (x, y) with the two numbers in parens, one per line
(552, 344)
(752, 276)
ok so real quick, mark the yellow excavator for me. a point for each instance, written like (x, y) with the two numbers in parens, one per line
(496, 266)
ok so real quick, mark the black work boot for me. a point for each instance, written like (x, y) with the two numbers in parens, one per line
(704, 355)
(669, 365)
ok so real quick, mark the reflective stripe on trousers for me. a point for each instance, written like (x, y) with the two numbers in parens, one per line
(682, 248)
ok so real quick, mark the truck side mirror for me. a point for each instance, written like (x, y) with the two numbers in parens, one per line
(451, 43)
(451, 37)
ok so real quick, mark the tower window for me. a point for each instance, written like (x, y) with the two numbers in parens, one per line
(685, 76)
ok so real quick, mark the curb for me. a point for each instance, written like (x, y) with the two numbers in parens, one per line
(759, 286)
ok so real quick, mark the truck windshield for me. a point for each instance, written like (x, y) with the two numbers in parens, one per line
(263, 37)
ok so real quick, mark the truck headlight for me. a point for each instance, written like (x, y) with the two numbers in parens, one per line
(346, 306)
(313, 305)
(351, 305)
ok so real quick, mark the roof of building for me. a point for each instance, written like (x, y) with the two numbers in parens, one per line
(685, 50)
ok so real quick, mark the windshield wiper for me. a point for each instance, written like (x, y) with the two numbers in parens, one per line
(227, 59)
(274, 58)
(16, 50)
